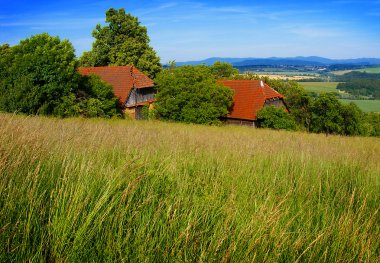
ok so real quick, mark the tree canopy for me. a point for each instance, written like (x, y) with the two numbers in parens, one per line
(40, 71)
(191, 94)
(123, 41)
(223, 70)
(39, 76)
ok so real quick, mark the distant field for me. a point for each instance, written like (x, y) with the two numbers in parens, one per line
(366, 105)
(320, 87)
(368, 70)
(286, 75)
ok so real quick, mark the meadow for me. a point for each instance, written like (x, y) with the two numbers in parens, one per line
(77, 190)
(365, 105)
(367, 70)
(319, 87)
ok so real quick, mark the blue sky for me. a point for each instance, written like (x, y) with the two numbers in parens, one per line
(194, 30)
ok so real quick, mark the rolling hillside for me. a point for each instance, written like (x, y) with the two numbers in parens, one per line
(113, 190)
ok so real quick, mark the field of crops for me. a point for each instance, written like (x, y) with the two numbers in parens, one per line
(79, 190)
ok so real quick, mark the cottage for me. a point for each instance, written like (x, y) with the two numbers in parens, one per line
(131, 86)
(250, 96)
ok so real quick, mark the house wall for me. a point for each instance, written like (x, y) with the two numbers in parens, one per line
(275, 102)
(229, 121)
(135, 113)
(140, 95)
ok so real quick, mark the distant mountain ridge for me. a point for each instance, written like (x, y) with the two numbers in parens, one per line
(289, 61)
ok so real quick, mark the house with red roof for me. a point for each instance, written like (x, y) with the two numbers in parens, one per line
(133, 88)
(250, 96)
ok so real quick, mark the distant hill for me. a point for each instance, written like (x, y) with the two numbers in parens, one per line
(289, 61)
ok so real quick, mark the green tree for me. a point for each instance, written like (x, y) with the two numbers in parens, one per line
(41, 71)
(371, 124)
(223, 70)
(275, 118)
(352, 119)
(122, 42)
(39, 76)
(190, 94)
(326, 115)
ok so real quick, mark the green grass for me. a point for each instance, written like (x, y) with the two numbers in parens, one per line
(368, 70)
(366, 105)
(94, 190)
(320, 87)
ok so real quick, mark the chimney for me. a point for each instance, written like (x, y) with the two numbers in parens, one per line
(261, 83)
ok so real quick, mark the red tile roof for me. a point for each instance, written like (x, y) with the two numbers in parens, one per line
(122, 78)
(249, 97)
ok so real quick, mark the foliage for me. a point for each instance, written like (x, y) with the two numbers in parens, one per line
(326, 115)
(275, 118)
(223, 70)
(190, 94)
(39, 76)
(94, 98)
(6, 56)
(362, 87)
(117, 191)
(42, 71)
(122, 42)
(352, 119)
(372, 124)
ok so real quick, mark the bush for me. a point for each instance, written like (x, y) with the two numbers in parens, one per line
(275, 118)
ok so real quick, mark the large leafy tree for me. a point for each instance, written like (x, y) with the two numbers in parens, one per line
(40, 71)
(122, 42)
(39, 76)
(326, 115)
(223, 70)
(191, 94)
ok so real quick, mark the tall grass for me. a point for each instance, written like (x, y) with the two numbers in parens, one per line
(93, 190)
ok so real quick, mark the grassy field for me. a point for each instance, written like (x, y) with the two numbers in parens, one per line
(366, 105)
(94, 190)
(320, 87)
(368, 70)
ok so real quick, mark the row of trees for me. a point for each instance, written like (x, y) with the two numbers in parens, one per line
(362, 87)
